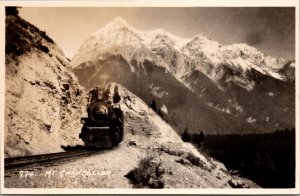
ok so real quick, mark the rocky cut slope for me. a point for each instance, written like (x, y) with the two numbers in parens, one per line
(42, 97)
(201, 83)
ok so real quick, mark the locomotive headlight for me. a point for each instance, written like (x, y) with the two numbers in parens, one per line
(100, 113)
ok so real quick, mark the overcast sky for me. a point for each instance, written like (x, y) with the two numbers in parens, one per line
(271, 30)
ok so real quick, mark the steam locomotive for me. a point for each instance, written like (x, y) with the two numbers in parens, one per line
(103, 128)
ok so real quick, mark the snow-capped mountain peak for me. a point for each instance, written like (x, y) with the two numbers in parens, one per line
(116, 24)
(201, 46)
(201, 37)
(115, 36)
(119, 20)
(199, 52)
(160, 36)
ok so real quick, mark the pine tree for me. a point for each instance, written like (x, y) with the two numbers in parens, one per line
(153, 105)
(186, 137)
(11, 10)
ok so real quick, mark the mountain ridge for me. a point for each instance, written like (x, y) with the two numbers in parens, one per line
(191, 47)
(216, 75)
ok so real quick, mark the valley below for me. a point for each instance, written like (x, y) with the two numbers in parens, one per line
(267, 159)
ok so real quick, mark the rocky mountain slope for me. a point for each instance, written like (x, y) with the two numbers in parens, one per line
(151, 155)
(202, 84)
(42, 98)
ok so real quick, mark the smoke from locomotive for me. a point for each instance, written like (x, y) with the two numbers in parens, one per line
(103, 128)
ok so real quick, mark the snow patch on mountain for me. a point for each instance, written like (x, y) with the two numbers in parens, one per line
(164, 109)
(157, 91)
(271, 94)
(236, 106)
(292, 64)
(219, 107)
(250, 119)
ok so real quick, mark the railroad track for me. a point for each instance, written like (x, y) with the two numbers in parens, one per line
(16, 162)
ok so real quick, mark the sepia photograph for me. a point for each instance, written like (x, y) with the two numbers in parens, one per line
(150, 98)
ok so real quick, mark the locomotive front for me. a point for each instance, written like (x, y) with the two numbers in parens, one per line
(103, 128)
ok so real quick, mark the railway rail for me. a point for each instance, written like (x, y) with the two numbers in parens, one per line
(16, 162)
